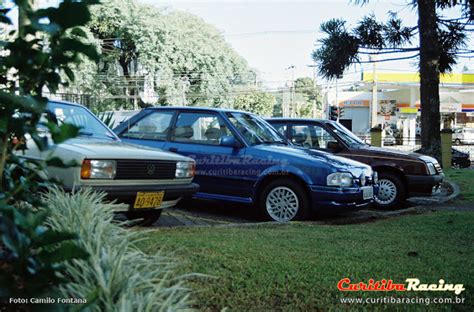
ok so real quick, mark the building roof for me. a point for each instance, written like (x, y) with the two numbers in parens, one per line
(460, 79)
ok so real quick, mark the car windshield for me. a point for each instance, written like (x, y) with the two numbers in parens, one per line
(82, 118)
(348, 137)
(255, 130)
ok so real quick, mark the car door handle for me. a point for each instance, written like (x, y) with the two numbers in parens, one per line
(173, 149)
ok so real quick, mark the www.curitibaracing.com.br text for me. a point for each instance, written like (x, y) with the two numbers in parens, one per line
(403, 300)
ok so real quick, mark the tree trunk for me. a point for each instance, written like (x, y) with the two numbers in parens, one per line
(429, 78)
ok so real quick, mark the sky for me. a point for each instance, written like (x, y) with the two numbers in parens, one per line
(275, 35)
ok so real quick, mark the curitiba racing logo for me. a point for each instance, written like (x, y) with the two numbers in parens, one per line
(411, 284)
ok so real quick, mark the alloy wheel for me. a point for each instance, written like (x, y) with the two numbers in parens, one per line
(387, 192)
(282, 204)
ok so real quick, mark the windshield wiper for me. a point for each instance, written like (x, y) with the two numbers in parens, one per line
(91, 134)
(111, 136)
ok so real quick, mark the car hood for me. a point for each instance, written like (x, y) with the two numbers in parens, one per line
(340, 163)
(392, 153)
(108, 149)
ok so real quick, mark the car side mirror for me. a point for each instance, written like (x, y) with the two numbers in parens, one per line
(334, 146)
(229, 141)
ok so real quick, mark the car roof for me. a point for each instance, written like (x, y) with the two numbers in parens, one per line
(64, 102)
(286, 119)
(190, 108)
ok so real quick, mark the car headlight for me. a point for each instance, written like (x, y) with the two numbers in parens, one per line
(185, 169)
(431, 168)
(98, 169)
(430, 163)
(343, 179)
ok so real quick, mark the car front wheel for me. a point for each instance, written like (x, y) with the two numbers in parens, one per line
(284, 200)
(391, 191)
(148, 217)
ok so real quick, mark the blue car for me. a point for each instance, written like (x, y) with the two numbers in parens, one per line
(240, 158)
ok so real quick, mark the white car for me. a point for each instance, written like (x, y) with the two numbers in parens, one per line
(147, 179)
(463, 136)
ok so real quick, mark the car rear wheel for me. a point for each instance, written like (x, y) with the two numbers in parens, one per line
(391, 191)
(284, 200)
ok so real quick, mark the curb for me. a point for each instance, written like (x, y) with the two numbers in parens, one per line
(370, 215)
(455, 194)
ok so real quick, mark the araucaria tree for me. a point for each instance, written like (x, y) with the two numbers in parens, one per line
(436, 41)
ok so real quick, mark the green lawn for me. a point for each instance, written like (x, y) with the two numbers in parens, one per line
(465, 179)
(297, 266)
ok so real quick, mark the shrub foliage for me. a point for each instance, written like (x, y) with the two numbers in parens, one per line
(48, 42)
(117, 276)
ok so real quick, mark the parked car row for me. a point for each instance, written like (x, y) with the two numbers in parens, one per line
(288, 171)
(241, 158)
(401, 174)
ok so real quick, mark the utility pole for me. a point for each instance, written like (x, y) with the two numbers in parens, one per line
(315, 86)
(326, 102)
(337, 100)
(374, 102)
(185, 84)
(292, 91)
(135, 95)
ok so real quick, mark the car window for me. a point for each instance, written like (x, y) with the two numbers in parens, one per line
(281, 127)
(255, 130)
(311, 136)
(78, 116)
(152, 127)
(201, 128)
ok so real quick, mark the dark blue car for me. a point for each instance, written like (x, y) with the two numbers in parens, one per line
(241, 158)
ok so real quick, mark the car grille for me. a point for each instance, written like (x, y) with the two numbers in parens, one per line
(145, 169)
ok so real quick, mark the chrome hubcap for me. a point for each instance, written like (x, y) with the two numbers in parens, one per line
(387, 192)
(282, 204)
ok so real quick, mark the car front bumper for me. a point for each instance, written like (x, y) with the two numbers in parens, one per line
(127, 193)
(423, 185)
(328, 200)
(461, 162)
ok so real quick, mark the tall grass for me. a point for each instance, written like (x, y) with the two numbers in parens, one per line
(117, 276)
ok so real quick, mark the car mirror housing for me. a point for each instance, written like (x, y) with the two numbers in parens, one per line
(229, 141)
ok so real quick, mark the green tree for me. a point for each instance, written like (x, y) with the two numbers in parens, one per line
(48, 42)
(258, 102)
(311, 94)
(440, 42)
(176, 54)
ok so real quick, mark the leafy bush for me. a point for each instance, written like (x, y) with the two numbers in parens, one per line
(117, 276)
(47, 43)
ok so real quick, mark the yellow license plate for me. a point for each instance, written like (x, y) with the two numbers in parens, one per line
(148, 200)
